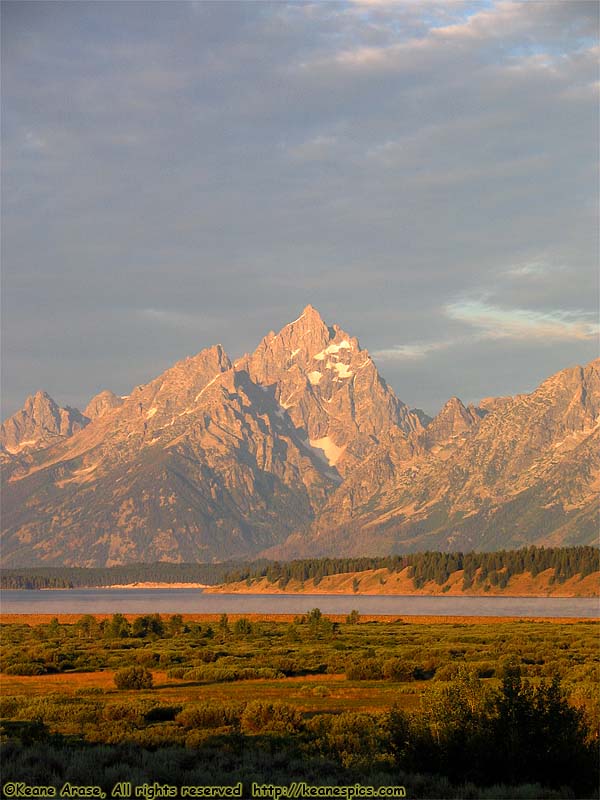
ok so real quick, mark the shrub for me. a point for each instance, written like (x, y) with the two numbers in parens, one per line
(148, 625)
(264, 717)
(448, 672)
(148, 658)
(9, 706)
(365, 669)
(397, 669)
(209, 715)
(208, 656)
(165, 659)
(175, 625)
(316, 691)
(243, 627)
(117, 628)
(177, 672)
(26, 668)
(485, 669)
(133, 678)
(353, 739)
(224, 674)
(123, 712)
(288, 665)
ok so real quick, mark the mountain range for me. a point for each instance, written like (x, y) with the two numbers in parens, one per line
(298, 449)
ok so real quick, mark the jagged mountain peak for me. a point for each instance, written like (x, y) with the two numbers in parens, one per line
(39, 399)
(301, 438)
(329, 387)
(295, 342)
(453, 407)
(102, 403)
(453, 402)
(213, 357)
(309, 316)
(38, 424)
(299, 342)
(302, 343)
(310, 313)
(40, 394)
(178, 390)
(584, 380)
(566, 402)
(454, 419)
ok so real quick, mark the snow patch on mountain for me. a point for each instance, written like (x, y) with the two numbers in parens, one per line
(343, 370)
(329, 449)
(335, 348)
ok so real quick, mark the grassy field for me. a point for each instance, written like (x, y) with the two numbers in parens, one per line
(310, 694)
(310, 658)
(332, 696)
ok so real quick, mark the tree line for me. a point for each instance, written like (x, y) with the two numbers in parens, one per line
(80, 577)
(495, 568)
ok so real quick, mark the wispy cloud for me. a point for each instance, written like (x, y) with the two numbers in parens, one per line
(490, 322)
(527, 269)
(494, 322)
(412, 352)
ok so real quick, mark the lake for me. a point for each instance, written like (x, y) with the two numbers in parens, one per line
(194, 601)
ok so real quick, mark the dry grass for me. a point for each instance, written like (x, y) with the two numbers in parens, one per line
(310, 694)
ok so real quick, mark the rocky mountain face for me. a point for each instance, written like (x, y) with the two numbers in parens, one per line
(526, 472)
(101, 404)
(330, 389)
(452, 421)
(39, 424)
(299, 448)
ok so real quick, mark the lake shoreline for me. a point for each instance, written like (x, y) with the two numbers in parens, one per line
(229, 589)
(383, 583)
(407, 619)
(378, 583)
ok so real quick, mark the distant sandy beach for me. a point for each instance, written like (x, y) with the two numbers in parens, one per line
(136, 585)
(153, 585)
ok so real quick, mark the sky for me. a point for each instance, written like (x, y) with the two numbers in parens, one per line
(177, 174)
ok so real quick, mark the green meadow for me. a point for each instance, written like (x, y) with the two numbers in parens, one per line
(492, 710)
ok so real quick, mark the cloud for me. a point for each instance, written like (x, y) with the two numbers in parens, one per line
(516, 33)
(222, 165)
(412, 352)
(488, 322)
(527, 269)
(493, 322)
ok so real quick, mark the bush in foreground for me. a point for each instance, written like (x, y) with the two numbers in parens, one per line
(133, 678)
